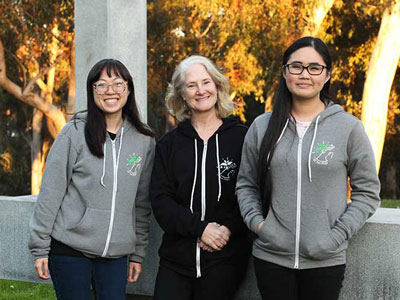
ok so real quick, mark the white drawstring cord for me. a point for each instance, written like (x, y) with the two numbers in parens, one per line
(104, 163)
(119, 152)
(280, 136)
(312, 145)
(195, 176)
(219, 171)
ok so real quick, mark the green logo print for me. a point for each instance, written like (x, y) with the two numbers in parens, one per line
(322, 153)
(134, 164)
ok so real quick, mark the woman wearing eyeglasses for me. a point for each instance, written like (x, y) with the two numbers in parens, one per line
(292, 183)
(92, 214)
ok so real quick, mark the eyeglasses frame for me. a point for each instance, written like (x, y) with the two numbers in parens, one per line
(305, 67)
(108, 85)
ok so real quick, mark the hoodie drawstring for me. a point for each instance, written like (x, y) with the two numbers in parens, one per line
(195, 175)
(280, 136)
(105, 156)
(219, 171)
(312, 145)
(119, 152)
(104, 164)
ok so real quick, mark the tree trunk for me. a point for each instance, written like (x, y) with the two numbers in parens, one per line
(317, 15)
(380, 75)
(36, 152)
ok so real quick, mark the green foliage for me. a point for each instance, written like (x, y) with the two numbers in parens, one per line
(386, 203)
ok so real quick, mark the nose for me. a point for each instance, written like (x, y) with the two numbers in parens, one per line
(109, 89)
(200, 89)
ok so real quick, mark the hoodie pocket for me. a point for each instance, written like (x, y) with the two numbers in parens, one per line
(123, 238)
(274, 236)
(90, 233)
(316, 238)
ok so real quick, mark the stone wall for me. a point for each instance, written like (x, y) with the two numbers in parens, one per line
(372, 273)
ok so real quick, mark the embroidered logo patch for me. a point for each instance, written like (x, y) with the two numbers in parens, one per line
(134, 164)
(323, 153)
(227, 169)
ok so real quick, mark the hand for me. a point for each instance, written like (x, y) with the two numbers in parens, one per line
(225, 229)
(205, 247)
(42, 268)
(134, 270)
(214, 237)
(259, 227)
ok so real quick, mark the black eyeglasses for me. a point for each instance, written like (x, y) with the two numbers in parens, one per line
(312, 69)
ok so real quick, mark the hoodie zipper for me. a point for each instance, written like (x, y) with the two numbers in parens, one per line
(114, 193)
(298, 208)
(203, 203)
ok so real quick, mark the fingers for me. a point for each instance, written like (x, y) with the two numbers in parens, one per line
(42, 268)
(134, 271)
(215, 236)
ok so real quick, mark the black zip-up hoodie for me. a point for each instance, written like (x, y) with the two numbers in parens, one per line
(193, 184)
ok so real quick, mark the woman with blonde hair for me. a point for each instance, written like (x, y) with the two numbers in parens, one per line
(204, 250)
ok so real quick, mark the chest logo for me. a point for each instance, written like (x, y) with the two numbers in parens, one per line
(134, 164)
(323, 153)
(227, 169)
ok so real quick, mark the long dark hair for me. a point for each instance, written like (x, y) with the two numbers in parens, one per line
(95, 128)
(281, 112)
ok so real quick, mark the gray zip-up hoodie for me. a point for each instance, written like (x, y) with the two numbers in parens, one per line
(310, 221)
(99, 206)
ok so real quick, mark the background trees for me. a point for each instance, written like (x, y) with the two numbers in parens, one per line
(245, 38)
(36, 45)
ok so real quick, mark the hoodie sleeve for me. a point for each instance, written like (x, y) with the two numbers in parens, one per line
(143, 207)
(364, 182)
(172, 217)
(57, 175)
(247, 187)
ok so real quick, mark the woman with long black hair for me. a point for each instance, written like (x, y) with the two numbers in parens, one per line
(92, 214)
(293, 180)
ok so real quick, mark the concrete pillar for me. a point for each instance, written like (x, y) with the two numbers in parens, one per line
(111, 29)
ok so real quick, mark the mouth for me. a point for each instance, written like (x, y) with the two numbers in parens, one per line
(202, 98)
(111, 100)
(303, 85)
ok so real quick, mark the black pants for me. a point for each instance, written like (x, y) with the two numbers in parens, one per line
(280, 283)
(220, 283)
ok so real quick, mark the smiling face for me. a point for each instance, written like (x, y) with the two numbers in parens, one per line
(111, 103)
(305, 86)
(199, 90)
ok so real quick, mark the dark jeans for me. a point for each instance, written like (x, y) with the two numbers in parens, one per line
(280, 283)
(220, 283)
(72, 277)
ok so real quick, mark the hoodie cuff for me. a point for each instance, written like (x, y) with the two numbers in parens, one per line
(202, 226)
(255, 222)
(135, 258)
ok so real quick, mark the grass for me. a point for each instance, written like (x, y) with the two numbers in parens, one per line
(388, 203)
(18, 290)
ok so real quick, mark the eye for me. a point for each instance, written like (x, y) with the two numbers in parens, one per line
(190, 86)
(314, 67)
(101, 85)
(119, 84)
(296, 66)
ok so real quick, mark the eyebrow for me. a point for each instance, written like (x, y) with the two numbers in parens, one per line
(300, 62)
(101, 79)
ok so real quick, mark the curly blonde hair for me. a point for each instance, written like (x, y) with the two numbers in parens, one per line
(174, 100)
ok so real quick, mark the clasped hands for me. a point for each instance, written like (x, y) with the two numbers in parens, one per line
(214, 237)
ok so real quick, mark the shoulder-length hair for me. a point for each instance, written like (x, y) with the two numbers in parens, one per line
(281, 112)
(95, 128)
(174, 99)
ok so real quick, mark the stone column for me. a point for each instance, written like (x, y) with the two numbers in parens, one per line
(111, 29)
